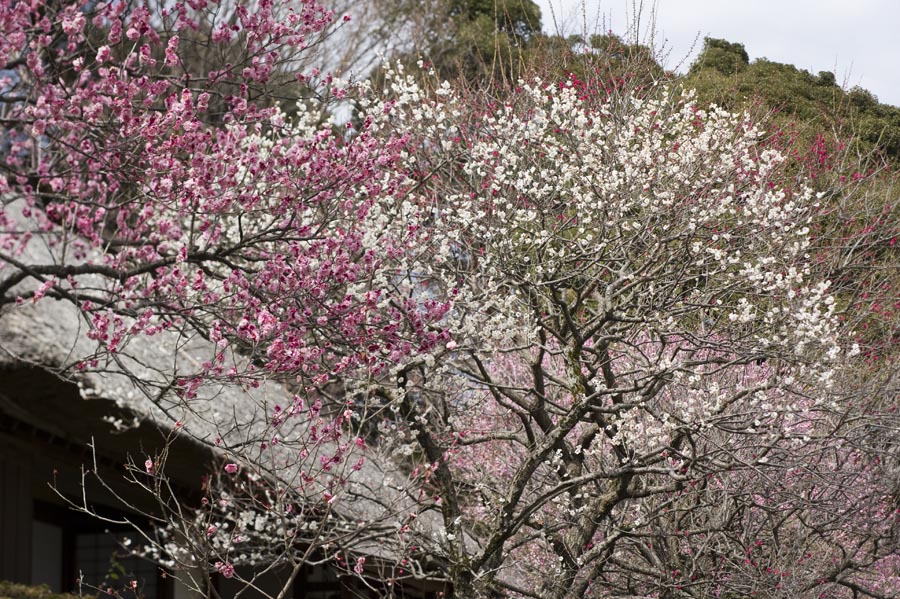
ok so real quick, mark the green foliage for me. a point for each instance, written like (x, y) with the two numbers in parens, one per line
(623, 59)
(518, 19)
(826, 78)
(722, 56)
(481, 40)
(723, 75)
(9, 590)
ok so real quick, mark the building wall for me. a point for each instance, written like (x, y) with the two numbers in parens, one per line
(47, 555)
(15, 512)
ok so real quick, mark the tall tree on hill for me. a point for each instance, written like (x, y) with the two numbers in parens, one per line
(481, 40)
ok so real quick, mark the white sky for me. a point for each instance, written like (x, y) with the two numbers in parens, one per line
(858, 40)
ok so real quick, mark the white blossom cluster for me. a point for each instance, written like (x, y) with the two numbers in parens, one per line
(671, 216)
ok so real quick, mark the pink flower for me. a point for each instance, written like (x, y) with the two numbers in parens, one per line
(149, 466)
(225, 569)
(172, 51)
(231, 468)
(211, 531)
(72, 24)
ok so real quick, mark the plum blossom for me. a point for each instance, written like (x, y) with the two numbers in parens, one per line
(225, 569)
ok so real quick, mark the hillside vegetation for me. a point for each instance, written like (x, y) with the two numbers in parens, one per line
(724, 74)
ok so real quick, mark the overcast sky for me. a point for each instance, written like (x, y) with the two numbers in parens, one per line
(859, 40)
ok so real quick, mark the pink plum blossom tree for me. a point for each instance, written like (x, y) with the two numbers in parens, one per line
(159, 178)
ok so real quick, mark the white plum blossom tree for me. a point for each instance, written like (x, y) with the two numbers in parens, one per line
(642, 363)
